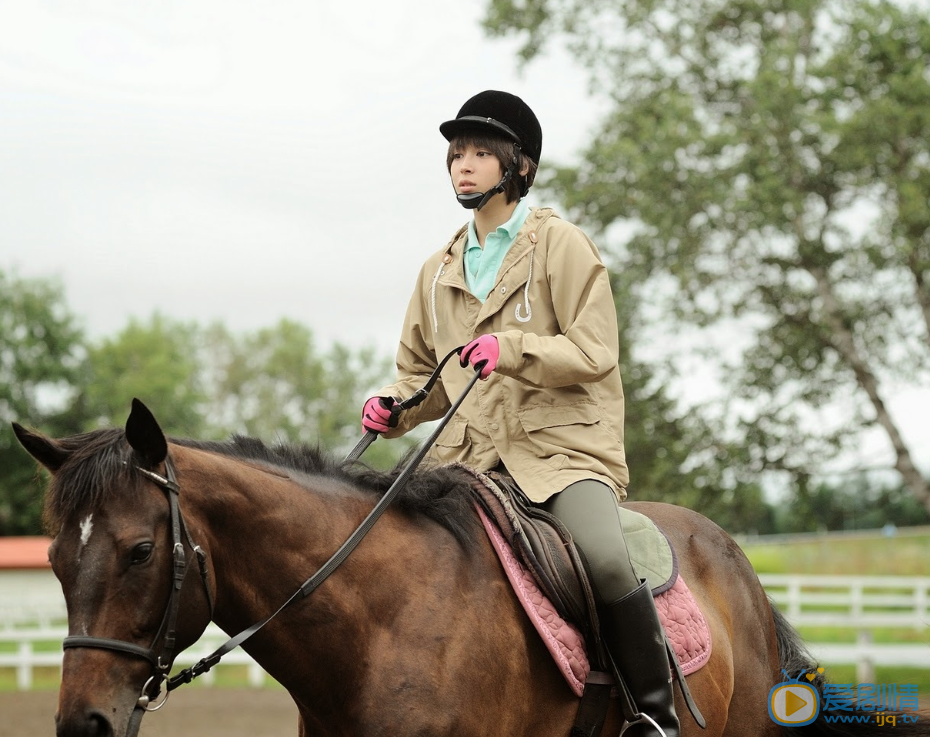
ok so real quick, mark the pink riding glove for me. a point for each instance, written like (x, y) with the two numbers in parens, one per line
(377, 415)
(484, 350)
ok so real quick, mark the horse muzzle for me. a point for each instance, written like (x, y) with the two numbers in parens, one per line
(90, 723)
(98, 694)
(95, 721)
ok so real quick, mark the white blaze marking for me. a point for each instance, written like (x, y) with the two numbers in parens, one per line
(87, 527)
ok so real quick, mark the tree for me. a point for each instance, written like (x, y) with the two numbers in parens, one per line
(856, 504)
(275, 384)
(773, 160)
(674, 456)
(200, 382)
(156, 361)
(40, 353)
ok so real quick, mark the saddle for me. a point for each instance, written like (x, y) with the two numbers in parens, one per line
(545, 548)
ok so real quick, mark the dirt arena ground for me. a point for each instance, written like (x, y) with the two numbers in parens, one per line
(198, 712)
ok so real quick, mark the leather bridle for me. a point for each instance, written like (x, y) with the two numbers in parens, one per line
(161, 660)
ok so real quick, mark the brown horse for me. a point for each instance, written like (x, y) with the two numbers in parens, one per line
(416, 633)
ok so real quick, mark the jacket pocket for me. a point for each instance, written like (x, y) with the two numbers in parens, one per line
(560, 432)
(542, 417)
(454, 437)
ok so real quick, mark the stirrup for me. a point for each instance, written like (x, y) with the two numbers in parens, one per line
(639, 719)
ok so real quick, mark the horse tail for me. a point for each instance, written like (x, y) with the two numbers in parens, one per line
(795, 659)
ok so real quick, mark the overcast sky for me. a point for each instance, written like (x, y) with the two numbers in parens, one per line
(244, 161)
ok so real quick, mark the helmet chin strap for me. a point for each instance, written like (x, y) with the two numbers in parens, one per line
(477, 200)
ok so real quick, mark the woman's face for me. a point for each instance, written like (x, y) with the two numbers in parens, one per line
(474, 169)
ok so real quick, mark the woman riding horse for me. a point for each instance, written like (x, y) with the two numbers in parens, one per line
(528, 293)
(416, 632)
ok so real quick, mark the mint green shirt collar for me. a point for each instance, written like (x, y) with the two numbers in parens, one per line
(482, 264)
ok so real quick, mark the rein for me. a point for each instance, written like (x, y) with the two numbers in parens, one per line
(162, 661)
(312, 583)
(418, 396)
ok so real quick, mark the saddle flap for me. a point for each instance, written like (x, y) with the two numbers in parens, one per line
(543, 545)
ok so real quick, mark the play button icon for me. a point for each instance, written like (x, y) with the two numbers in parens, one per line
(794, 704)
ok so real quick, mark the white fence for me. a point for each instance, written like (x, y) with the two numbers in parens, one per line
(31, 631)
(862, 604)
(32, 651)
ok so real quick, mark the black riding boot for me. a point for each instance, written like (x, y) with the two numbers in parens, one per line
(636, 641)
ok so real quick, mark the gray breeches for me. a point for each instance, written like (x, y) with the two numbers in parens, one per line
(589, 510)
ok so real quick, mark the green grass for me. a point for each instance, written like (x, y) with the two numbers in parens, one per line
(37, 646)
(49, 679)
(879, 635)
(43, 679)
(884, 675)
(901, 555)
(904, 554)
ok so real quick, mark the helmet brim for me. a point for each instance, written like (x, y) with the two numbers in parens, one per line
(473, 124)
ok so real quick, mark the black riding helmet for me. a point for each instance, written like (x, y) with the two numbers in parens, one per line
(499, 113)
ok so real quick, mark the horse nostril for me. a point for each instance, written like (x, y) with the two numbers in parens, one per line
(94, 724)
(98, 725)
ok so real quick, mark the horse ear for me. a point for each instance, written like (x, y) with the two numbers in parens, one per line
(145, 436)
(45, 450)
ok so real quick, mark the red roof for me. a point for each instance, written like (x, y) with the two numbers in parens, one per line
(24, 552)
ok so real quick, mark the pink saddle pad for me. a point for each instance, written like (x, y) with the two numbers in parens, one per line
(678, 612)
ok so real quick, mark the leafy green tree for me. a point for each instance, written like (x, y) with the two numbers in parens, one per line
(272, 383)
(673, 456)
(856, 504)
(772, 161)
(156, 361)
(276, 385)
(40, 353)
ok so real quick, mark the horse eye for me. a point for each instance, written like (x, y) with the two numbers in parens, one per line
(141, 553)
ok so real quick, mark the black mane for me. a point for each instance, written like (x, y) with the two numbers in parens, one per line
(102, 462)
(437, 492)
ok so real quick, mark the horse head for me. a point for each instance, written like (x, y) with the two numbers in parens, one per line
(114, 514)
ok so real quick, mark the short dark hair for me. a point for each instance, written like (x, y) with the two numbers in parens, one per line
(503, 149)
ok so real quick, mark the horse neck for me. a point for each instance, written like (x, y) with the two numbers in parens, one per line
(396, 617)
(264, 533)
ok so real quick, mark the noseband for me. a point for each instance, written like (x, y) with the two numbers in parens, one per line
(161, 660)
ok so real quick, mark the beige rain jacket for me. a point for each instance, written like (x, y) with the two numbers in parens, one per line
(553, 409)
